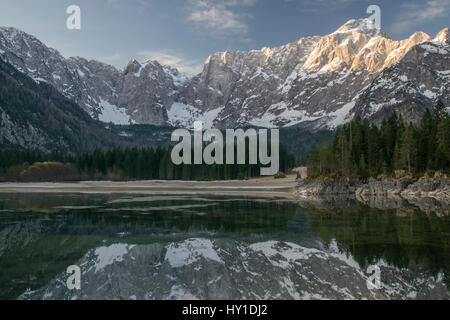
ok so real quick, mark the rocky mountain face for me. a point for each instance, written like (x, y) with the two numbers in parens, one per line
(137, 94)
(418, 80)
(37, 116)
(316, 82)
(34, 115)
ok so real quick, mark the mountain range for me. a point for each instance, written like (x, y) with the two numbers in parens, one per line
(35, 116)
(316, 83)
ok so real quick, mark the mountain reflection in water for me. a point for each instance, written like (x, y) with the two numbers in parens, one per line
(199, 247)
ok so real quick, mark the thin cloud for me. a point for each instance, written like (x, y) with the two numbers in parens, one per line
(219, 18)
(320, 5)
(414, 14)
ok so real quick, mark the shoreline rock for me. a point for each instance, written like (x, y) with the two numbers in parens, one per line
(385, 187)
(437, 187)
(330, 186)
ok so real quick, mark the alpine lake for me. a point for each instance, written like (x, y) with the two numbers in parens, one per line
(135, 246)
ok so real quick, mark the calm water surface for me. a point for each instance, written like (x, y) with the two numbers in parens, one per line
(202, 247)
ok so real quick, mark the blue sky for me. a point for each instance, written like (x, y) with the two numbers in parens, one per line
(183, 33)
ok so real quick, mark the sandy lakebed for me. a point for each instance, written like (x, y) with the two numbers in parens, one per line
(266, 187)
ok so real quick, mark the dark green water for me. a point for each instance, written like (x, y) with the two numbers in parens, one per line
(227, 241)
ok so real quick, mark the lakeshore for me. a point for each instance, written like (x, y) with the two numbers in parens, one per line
(261, 187)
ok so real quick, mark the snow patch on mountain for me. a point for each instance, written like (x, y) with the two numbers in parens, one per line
(281, 114)
(109, 255)
(184, 115)
(341, 116)
(111, 113)
(436, 47)
(190, 251)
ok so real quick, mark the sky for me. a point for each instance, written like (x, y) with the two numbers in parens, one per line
(183, 33)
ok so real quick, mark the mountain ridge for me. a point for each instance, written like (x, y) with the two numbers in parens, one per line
(315, 82)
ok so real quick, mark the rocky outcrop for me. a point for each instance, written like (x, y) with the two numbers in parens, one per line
(387, 187)
(426, 187)
(401, 205)
(437, 187)
(332, 186)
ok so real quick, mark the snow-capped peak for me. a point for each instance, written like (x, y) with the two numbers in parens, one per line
(443, 36)
(363, 26)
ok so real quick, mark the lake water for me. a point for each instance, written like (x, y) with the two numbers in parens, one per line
(209, 247)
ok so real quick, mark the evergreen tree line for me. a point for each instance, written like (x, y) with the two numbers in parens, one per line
(123, 164)
(361, 149)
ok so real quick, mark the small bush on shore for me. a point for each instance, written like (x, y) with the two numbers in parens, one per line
(280, 175)
(43, 172)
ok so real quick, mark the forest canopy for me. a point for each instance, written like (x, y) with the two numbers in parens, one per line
(361, 149)
(121, 164)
